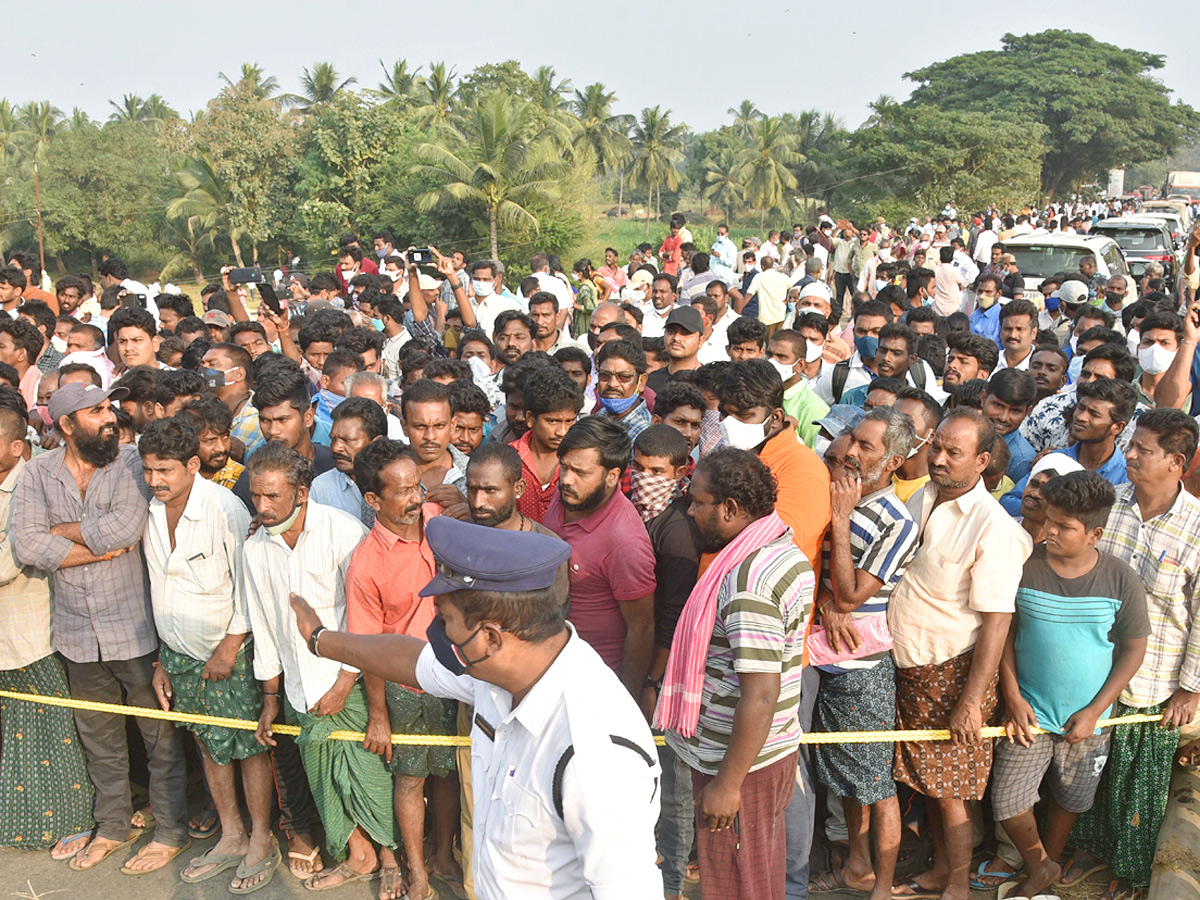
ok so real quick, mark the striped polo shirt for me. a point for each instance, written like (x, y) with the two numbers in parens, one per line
(762, 613)
(883, 538)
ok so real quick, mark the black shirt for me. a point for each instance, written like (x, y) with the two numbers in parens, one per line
(676, 543)
(322, 463)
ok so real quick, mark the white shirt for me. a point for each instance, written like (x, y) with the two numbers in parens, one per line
(197, 589)
(491, 306)
(654, 321)
(716, 348)
(556, 286)
(391, 354)
(602, 846)
(316, 570)
(136, 287)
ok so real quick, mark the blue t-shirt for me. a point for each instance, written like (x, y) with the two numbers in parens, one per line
(1067, 632)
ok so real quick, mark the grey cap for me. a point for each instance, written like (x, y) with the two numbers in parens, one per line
(842, 417)
(73, 397)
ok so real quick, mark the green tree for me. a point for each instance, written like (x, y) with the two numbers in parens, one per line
(605, 135)
(1099, 106)
(263, 87)
(39, 123)
(763, 165)
(399, 84)
(251, 153)
(319, 86)
(744, 117)
(657, 144)
(436, 95)
(722, 182)
(491, 164)
(195, 216)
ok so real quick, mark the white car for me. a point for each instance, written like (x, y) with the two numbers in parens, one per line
(1041, 255)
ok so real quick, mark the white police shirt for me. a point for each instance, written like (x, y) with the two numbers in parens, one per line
(602, 843)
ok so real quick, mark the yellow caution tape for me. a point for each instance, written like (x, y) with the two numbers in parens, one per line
(440, 740)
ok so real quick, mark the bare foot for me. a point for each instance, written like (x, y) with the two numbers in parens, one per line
(1039, 879)
(391, 883)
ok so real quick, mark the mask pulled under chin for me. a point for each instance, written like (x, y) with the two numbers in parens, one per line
(285, 524)
(618, 405)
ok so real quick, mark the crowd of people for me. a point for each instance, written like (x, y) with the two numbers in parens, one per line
(820, 482)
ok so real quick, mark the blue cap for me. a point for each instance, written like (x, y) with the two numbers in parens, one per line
(842, 417)
(472, 557)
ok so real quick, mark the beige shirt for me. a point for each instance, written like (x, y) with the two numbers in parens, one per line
(968, 562)
(771, 286)
(24, 594)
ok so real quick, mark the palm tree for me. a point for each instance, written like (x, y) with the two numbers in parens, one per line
(605, 134)
(763, 166)
(263, 88)
(318, 88)
(155, 110)
(39, 123)
(656, 145)
(549, 96)
(129, 110)
(79, 120)
(399, 83)
(436, 96)
(722, 185)
(200, 203)
(744, 117)
(11, 134)
(489, 162)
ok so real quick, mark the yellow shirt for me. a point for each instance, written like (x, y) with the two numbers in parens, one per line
(905, 489)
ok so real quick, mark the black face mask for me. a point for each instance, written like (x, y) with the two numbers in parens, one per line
(593, 339)
(448, 653)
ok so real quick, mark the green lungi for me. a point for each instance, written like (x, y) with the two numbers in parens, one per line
(43, 770)
(412, 712)
(350, 786)
(1122, 826)
(237, 697)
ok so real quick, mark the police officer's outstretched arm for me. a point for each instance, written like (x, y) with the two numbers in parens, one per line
(393, 657)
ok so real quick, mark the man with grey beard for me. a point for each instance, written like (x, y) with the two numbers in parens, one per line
(80, 512)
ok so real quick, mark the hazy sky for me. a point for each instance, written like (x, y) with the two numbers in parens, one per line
(693, 58)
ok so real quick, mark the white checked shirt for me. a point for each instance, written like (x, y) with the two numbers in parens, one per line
(197, 589)
(316, 570)
(602, 846)
(1165, 553)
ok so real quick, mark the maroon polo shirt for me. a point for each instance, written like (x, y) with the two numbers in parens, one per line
(611, 563)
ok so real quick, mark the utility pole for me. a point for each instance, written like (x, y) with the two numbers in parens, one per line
(37, 194)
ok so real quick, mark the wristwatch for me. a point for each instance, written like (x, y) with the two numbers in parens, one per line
(313, 638)
(655, 683)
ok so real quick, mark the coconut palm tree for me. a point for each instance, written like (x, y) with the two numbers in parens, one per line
(398, 82)
(11, 134)
(129, 110)
(605, 134)
(722, 185)
(79, 120)
(763, 166)
(264, 88)
(436, 94)
(744, 116)
(489, 162)
(39, 122)
(657, 144)
(200, 203)
(318, 88)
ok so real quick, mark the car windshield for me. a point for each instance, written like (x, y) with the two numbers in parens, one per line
(1136, 241)
(1038, 261)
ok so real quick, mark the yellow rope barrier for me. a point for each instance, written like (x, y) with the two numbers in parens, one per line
(439, 740)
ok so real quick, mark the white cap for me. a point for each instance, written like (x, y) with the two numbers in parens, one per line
(1058, 463)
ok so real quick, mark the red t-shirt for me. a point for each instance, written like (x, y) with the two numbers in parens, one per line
(536, 499)
(612, 562)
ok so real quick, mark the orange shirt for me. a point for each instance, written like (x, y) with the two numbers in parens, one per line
(382, 581)
(836, 349)
(802, 499)
(36, 293)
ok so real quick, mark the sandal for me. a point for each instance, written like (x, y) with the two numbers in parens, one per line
(313, 859)
(916, 891)
(209, 821)
(1080, 864)
(143, 819)
(1190, 761)
(391, 882)
(220, 862)
(342, 871)
(834, 882)
(453, 882)
(977, 882)
(268, 864)
(59, 853)
(104, 852)
(161, 855)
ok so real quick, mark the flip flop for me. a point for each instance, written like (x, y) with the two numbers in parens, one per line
(343, 871)
(162, 855)
(453, 882)
(432, 895)
(918, 892)
(1073, 866)
(210, 823)
(833, 882)
(220, 862)
(128, 842)
(313, 857)
(978, 885)
(63, 841)
(147, 818)
(390, 880)
(268, 864)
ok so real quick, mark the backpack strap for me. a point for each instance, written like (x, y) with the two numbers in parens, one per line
(841, 372)
(917, 373)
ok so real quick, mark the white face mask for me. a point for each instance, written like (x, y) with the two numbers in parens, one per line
(1075, 368)
(813, 351)
(743, 435)
(820, 445)
(785, 371)
(483, 288)
(1133, 340)
(59, 344)
(1155, 359)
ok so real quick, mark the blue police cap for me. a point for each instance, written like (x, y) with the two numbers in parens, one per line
(472, 557)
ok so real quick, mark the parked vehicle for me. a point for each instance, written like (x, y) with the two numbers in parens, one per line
(1039, 256)
(1143, 240)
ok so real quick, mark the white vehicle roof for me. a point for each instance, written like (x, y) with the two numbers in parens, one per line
(1091, 242)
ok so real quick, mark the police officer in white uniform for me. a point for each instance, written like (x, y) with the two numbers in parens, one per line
(564, 768)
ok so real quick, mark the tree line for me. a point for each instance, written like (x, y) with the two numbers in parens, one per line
(497, 160)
